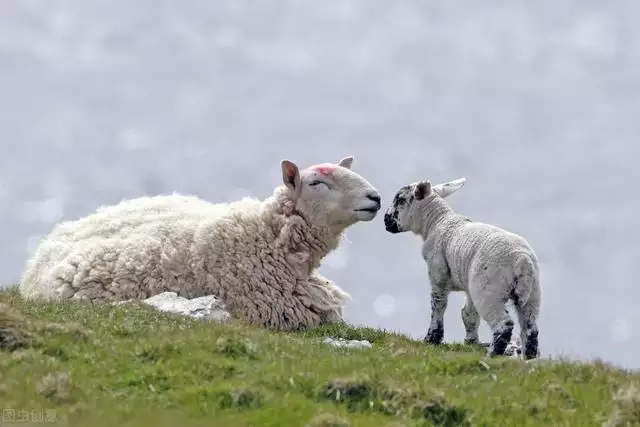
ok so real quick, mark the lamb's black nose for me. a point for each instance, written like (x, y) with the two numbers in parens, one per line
(390, 225)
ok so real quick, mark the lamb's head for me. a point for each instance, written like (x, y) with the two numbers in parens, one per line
(331, 195)
(411, 201)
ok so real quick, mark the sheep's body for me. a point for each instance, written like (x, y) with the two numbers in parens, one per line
(258, 256)
(491, 265)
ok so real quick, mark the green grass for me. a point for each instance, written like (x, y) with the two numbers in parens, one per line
(133, 366)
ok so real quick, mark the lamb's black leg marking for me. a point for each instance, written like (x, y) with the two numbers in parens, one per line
(501, 338)
(531, 343)
(435, 334)
(513, 296)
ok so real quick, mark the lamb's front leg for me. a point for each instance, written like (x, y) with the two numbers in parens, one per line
(439, 299)
(471, 320)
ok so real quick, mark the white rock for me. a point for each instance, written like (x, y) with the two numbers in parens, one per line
(341, 342)
(204, 308)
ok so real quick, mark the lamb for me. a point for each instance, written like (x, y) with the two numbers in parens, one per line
(260, 257)
(489, 264)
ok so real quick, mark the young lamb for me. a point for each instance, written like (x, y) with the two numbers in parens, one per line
(489, 264)
(260, 257)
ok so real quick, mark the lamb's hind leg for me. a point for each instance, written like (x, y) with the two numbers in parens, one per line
(528, 317)
(491, 308)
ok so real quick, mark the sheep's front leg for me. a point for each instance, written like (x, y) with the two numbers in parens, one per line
(326, 298)
(439, 299)
(471, 320)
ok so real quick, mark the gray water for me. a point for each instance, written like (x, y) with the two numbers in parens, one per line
(536, 103)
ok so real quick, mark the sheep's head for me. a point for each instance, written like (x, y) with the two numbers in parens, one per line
(410, 200)
(330, 194)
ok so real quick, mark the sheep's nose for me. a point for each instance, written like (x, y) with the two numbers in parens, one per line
(375, 197)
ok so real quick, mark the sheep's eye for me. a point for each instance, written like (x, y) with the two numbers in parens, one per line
(314, 183)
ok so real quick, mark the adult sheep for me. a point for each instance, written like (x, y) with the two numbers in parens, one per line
(489, 264)
(258, 256)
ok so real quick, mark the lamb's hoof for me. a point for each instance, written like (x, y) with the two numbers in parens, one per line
(531, 350)
(492, 354)
(435, 335)
(476, 341)
(501, 339)
(432, 340)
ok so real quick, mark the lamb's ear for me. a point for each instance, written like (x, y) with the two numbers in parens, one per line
(422, 190)
(291, 176)
(346, 162)
(447, 188)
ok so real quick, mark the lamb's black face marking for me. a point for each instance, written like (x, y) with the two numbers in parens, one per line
(401, 202)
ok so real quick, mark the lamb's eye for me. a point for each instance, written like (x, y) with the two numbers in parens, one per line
(314, 183)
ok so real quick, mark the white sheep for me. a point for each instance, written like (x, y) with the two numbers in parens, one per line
(489, 264)
(260, 257)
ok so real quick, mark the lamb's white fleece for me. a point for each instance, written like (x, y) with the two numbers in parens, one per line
(258, 256)
(489, 264)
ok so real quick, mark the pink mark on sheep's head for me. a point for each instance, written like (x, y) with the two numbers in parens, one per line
(325, 169)
(331, 194)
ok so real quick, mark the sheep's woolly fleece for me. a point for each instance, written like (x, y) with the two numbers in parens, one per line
(260, 257)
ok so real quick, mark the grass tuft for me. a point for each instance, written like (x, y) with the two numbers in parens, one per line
(626, 410)
(13, 330)
(55, 386)
(362, 394)
(239, 398)
(326, 419)
(356, 393)
(237, 348)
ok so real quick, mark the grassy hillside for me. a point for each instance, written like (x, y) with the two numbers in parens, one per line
(133, 366)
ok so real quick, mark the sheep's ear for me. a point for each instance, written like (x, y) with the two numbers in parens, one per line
(422, 190)
(346, 162)
(447, 188)
(291, 176)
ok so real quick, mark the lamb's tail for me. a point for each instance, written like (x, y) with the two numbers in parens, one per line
(526, 275)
